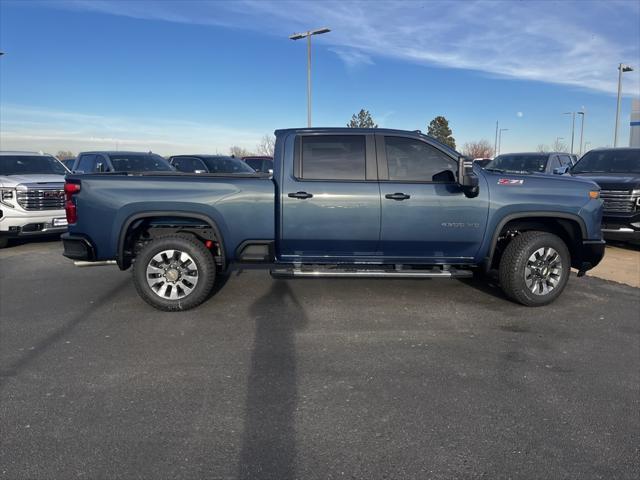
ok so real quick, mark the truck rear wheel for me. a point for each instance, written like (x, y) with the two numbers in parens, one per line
(535, 268)
(4, 241)
(174, 272)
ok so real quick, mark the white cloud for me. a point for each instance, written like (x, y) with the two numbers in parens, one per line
(27, 128)
(571, 43)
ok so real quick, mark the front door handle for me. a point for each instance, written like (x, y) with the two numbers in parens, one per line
(397, 196)
(301, 195)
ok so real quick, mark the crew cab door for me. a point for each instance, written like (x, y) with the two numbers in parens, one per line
(425, 214)
(329, 197)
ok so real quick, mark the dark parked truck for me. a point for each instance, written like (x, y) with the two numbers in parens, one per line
(340, 203)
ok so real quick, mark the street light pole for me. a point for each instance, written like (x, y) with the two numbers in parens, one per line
(500, 137)
(622, 68)
(307, 35)
(573, 126)
(495, 145)
(581, 130)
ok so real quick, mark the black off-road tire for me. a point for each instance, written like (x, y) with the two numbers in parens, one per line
(514, 261)
(202, 258)
(4, 241)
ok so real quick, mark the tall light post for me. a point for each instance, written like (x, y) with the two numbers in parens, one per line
(308, 35)
(500, 138)
(581, 131)
(495, 145)
(573, 126)
(622, 68)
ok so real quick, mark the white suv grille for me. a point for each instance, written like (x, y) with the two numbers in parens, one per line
(41, 197)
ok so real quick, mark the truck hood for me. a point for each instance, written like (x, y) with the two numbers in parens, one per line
(613, 181)
(10, 181)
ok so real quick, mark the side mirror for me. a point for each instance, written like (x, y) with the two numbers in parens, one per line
(270, 171)
(99, 167)
(561, 170)
(467, 179)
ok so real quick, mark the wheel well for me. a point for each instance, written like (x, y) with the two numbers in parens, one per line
(567, 229)
(139, 231)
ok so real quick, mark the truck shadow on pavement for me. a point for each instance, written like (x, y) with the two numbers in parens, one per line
(268, 445)
(14, 368)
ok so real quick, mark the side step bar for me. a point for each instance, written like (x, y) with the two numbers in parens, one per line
(369, 273)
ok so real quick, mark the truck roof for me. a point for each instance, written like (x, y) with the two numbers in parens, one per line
(25, 154)
(384, 131)
(116, 152)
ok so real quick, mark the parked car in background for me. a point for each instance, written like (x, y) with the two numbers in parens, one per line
(108, 161)
(482, 162)
(31, 195)
(259, 164)
(68, 163)
(209, 164)
(617, 171)
(535, 162)
(342, 202)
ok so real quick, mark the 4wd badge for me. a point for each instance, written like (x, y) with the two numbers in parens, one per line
(510, 181)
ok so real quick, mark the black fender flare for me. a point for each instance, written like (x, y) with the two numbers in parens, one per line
(525, 215)
(166, 213)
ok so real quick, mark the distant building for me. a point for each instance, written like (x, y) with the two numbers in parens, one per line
(634, 124)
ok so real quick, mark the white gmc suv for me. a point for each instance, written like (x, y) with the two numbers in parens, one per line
(31, 195)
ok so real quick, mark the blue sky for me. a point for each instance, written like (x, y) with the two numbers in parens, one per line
(178, 77)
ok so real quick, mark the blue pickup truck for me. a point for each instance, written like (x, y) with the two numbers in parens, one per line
(340, 203)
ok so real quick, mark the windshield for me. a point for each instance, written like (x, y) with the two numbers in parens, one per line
(609, 161)
(30, 164)
(519, 163)
(226, 165)
(139, 163)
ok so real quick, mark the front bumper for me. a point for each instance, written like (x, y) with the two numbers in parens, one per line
(15, 223)
(621, 228)
(77, 247)
(590, 255)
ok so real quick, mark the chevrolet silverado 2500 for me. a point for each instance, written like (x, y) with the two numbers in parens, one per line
(341, 203)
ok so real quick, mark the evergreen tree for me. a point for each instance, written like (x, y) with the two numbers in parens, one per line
(439, 129)
(362, 119)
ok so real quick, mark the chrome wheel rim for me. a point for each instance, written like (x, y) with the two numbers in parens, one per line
(172, 274)
(543, 271)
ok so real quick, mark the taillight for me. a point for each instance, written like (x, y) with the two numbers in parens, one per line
(70, 189)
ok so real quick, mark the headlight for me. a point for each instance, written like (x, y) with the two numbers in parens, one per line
(6, 197)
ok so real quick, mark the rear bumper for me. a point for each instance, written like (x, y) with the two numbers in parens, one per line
(77, 247)
(590, 255)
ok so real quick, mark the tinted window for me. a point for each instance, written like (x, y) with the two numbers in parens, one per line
(333, 157)
(27, 164)
(409, 159)
(87, 163)
(565, 160)
(188, 164)
(520, 162)
(226, 165)
(255, 163)
(137, 162)
(555, 163)
(609, 161)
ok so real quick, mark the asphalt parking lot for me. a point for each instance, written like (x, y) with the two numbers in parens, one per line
(312, 379)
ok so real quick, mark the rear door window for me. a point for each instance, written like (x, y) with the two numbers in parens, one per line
(87, 163)
(188, 164)
(333, 157)
(565, 160)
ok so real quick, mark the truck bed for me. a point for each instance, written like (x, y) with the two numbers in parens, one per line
(246, 200)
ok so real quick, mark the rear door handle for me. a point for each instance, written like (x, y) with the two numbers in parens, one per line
(397, 196)
(301, 195)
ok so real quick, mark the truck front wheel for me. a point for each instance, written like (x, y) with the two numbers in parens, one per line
(535, 268)
(174, 272)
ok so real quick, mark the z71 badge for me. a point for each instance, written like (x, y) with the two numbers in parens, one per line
(510, 181)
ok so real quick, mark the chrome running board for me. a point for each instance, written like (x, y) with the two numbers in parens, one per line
(369, 273)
